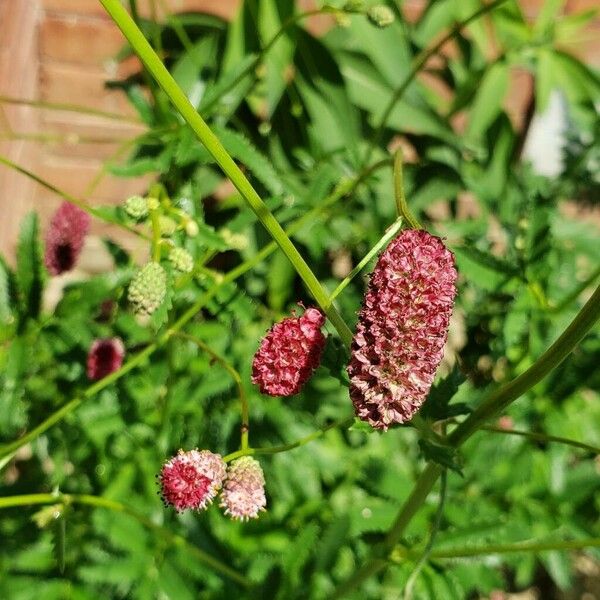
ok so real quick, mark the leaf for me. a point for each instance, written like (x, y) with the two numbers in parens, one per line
(488, 99)
(187, 71)
(280, 280)
(29, 274)
(446, 456)
(137, 97)
(437, 405)
(12, 391)
(242, 149)
(544, 80)
(488, 260)
(7, 296)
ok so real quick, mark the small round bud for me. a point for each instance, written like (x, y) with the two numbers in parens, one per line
(381, 15)
(148, 289)
(166, 225)
(104, 357)
(181, 260)
(152, 203)
(191, 228)
(136, 207)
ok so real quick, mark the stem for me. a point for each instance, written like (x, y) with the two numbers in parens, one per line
(158, 71)
(542, 437)
(285, 447)
(401, 204)
(156, 237)
(69, 197)
(387, 236)
(496, 402)
(408, 590)
(419, 62)
(98, 502)
(235, 375)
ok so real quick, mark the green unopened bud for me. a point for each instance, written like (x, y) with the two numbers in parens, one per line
(167, 225)
(381, 15)
(191, 228)
(148, 289)
(136, 207)
(152, 203)
(181, 260)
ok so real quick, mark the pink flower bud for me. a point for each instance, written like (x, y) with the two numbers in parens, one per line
(191, 479)
(289, 354)
(104, 357)
(64, 238)
(243, 495)
(402, 328)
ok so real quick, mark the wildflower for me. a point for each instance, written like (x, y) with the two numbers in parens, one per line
(191, 479)
(104, 357)
(381, 15)
(148, 288)
(64, 238)
(181, 260)
(289, 354)
(402, 328)
(243, 495)
(136, 207)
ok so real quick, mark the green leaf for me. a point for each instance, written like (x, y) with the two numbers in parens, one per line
(29, 274)
(12, 390)
(437, 406)
(280, 281)
(488, 99)
(544, 80)
(446, 456)
(7, 296)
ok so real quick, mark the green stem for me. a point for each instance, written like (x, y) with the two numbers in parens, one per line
(285, 447)
(387, 236)
(98, 502)
(245, 426)
(496, 402)
(401, 204)
(542, 437)
(159, 72)
(156, 236)
(69, 197)
(418, 64)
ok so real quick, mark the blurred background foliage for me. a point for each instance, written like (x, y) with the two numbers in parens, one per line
(304, 117)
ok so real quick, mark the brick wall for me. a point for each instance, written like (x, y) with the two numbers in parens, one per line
(62, 51)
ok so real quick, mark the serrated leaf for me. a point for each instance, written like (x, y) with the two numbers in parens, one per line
(7, 297)
(29, 273)
(446, 456)
(437, 406)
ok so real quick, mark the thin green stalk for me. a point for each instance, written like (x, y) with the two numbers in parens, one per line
(245, 426)
(401, 204)
(418, 64)
(156, 236)
(408, 589)
(387, 236)
(98, 502)
(542, 437)
(285, 447)
(69, 197)
(67, 107)
(180, 101)
(495, 403)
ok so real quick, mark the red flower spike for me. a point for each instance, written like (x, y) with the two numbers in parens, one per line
(402, 328)
(289, 354)
(104, 357)
(190, 480)
(65, 237)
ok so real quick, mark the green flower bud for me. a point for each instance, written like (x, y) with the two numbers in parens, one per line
(181, 260)
(381, 15)
(148, 289)
(136, 207)
(167, 225)
(153, 203)
(191, 228)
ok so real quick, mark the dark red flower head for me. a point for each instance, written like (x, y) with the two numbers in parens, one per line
(191, 479)
(104, 357)
(402, 328)
(289, 354)
(64, 238)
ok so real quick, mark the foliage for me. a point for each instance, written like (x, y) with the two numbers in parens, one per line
(303, 117)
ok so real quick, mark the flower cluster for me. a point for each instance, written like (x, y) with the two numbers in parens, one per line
(65, 237)
(105, 356)
(289, 354)
(148, 289)
(402, 328)
(191, 480)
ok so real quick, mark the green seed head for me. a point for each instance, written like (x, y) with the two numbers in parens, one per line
(181, 260)
(136, 207)
(147, 289)
(381, 15)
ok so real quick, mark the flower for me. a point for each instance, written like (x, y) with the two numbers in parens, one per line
(380, 15)
(136, 207)
(148, 289)
(402, 328)
(191, 479)
(289, 354)
(104, 357)
(243, 495)
(181, 260)
(64, 238)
